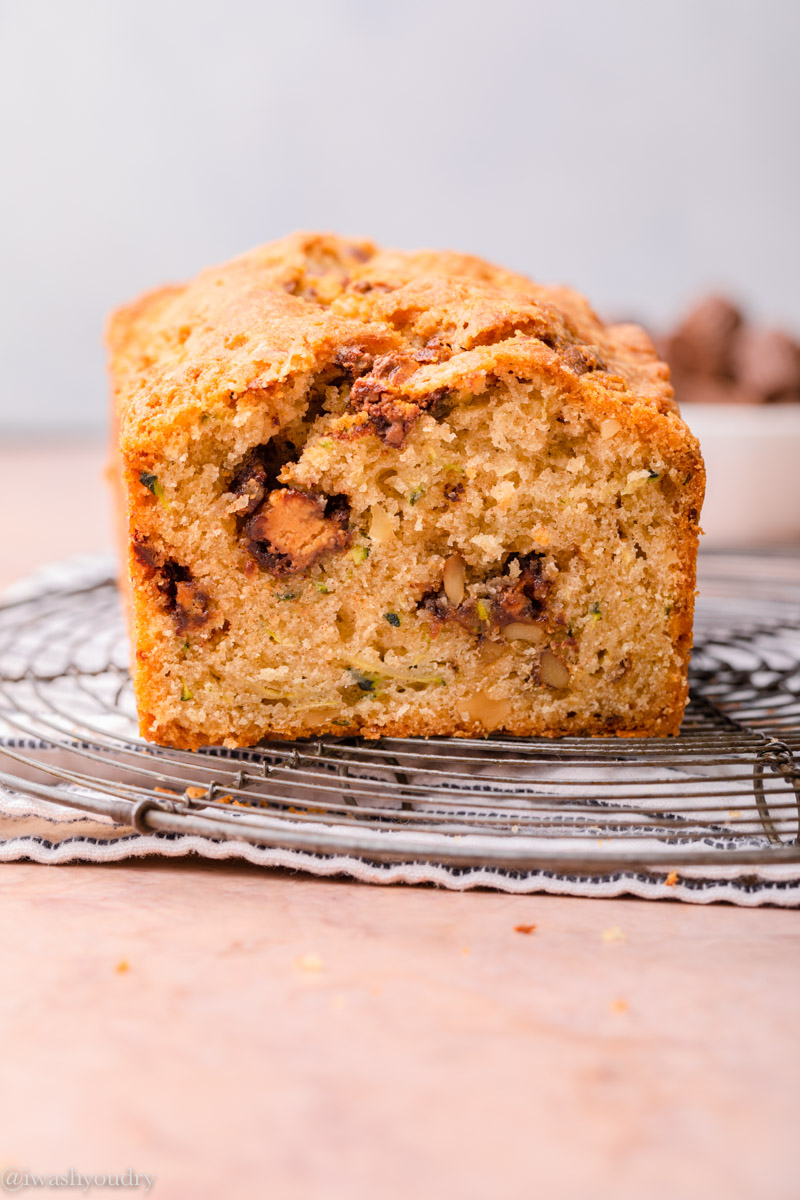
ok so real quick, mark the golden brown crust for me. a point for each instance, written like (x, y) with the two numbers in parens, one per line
(289, 308)
(178, 736)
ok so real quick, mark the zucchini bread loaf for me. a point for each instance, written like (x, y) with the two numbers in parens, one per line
(382, 493)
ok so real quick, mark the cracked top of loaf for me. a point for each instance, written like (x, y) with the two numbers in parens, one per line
(430, 322)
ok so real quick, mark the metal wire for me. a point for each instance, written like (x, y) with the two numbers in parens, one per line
(725, 792)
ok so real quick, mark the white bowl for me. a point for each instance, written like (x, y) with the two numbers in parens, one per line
(752, 456)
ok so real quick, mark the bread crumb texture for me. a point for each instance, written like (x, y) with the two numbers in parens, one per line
(382, 493)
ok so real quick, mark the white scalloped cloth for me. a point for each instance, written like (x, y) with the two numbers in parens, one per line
(39, 831)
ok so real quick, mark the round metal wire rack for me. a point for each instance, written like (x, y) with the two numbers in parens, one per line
(725, 792)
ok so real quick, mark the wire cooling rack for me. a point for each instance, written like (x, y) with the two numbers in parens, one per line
(726, 792)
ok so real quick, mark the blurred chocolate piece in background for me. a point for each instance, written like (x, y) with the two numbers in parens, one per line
(767, 362)
(717, 357)
(703, 342)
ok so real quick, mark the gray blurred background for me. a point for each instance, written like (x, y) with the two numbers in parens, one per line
(642, 152)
